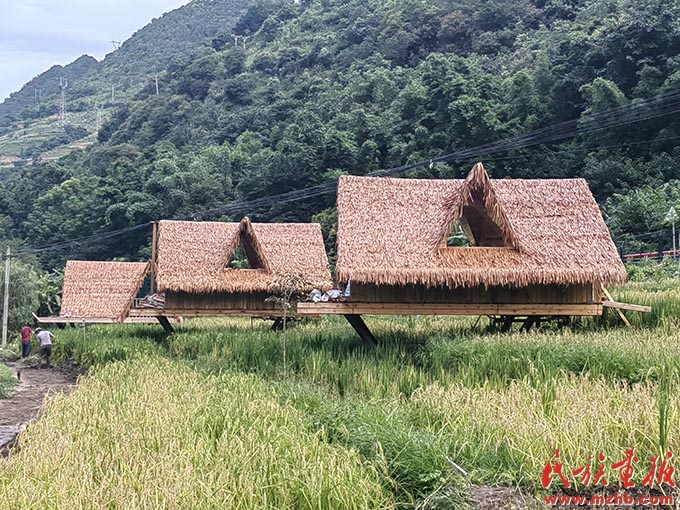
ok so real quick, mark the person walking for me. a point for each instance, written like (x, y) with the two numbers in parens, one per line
(26, 333)
(45, 338)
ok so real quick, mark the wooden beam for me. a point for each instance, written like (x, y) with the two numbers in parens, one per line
(359, 308)
(99, 320)
(627, 306)
(362, 329)
(610, 298)
(184, 312)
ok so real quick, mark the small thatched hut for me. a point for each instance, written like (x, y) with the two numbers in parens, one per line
(196, 273)
(100, 291)
(492, 246)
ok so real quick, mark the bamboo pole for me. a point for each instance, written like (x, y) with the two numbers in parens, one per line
(618, 310)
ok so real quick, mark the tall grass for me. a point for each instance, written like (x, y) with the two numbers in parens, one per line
(7, 381)
(156, 434)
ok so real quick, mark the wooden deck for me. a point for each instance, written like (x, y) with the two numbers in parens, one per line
(357, 308)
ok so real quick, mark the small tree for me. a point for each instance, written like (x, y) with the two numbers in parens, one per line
(286, 292)
(23, 293)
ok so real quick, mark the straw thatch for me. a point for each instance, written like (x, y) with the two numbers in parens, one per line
(104, 290)
(392, 232)
(193, 256)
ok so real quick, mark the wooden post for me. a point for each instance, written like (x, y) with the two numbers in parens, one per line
(362, 329)
(154, 237)
(166, 324)
(5, 303)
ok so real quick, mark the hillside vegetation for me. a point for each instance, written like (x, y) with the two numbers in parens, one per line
(326, 87)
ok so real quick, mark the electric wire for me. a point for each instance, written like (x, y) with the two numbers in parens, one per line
(661, 105)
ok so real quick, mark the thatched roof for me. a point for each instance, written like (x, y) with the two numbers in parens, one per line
(104, 290)
(193, 256)
(549, 231)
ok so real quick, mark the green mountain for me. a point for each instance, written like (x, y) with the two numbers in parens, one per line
(103, 85)
(33, 100)
(325, 87)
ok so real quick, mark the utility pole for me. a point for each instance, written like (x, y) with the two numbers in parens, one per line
(5, 303)
(63, 83)
(671, 218)
(154, 242)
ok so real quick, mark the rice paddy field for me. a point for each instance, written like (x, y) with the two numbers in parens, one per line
(208, 418)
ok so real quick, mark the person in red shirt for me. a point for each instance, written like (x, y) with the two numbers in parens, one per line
(26, 333)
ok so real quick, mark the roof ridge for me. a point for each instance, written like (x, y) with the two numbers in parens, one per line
(478, 180)
(246, 232)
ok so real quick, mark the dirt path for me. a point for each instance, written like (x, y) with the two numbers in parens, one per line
(25, 400)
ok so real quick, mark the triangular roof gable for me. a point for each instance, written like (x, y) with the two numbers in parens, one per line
(477, 194)
(246, 238)
(102, 290)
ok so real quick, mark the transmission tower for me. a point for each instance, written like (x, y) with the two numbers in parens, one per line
(156, 80)
(37, 95)
(63, 84)
(116, 44)
(245, 38)
(236, 38)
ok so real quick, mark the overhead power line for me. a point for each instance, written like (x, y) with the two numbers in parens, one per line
(655, 107)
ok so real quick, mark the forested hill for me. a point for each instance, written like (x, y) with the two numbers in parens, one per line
(326, 87)
(174, 36)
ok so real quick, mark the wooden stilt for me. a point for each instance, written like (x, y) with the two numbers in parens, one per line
(507, 323)
(532, 320)
(166, 324)
(362, 329)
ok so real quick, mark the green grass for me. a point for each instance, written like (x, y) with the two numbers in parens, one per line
(439, 390)
(7, 381)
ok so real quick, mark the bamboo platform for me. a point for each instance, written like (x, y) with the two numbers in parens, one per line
(358, 308)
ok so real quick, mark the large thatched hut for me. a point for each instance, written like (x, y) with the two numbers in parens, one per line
(477, 246)
(100, 291)
(223, 269)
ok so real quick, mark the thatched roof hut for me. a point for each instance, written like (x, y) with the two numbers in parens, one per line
(524, 231)
(193, 256)
(101, 290)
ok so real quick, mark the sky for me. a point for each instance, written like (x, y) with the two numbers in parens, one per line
(36, 34)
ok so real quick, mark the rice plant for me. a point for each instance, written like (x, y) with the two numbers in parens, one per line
(155, 434)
